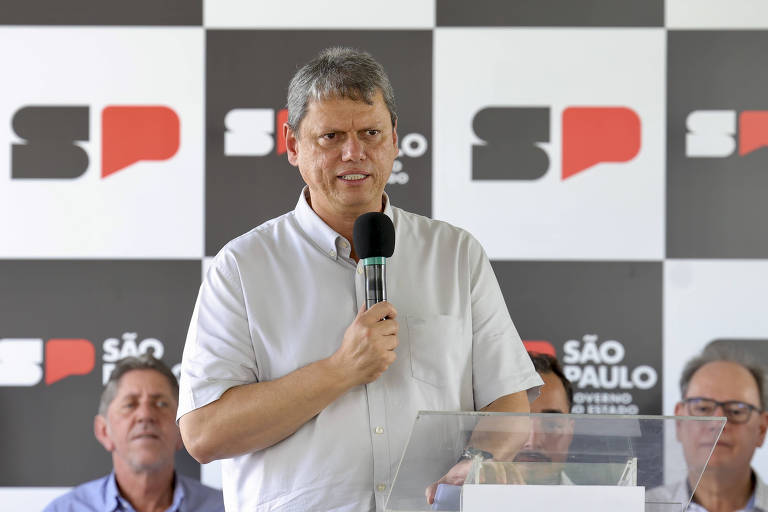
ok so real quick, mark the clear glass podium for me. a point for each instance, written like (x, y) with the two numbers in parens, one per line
(656, 461)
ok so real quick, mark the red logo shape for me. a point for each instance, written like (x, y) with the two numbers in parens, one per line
(65, 357)
(280, 119)
(132, 134)
(753, 130)
(540, 347)
(598, 134)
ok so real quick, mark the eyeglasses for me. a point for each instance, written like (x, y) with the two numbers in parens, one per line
(735, 411)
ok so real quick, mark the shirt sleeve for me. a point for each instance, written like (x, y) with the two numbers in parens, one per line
(500, 363)
(218, 353)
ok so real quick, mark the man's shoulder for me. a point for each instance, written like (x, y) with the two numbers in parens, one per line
(761, 492)
(413, 224)
(262, 239)
(200, 496)
(84, 497)
(266, 232)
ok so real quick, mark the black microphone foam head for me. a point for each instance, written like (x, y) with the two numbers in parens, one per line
(373, 235)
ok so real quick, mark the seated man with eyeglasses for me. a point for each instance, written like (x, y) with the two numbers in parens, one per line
(722, 383)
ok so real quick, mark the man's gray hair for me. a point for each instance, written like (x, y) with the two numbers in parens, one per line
(127, 364)
(338, 72)
(717, 352)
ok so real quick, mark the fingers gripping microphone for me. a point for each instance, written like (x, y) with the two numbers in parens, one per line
(374, 239)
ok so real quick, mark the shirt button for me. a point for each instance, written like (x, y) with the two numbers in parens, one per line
(332, 254)
(381, 487)
(379, 430)
(359, 270)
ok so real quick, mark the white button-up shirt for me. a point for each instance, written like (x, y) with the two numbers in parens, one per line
(282, 295)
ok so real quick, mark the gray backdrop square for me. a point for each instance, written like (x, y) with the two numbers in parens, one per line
(101, 12)
(716, 207)
(562, 301)
(551, 13)
(92, 300)
(245, 71)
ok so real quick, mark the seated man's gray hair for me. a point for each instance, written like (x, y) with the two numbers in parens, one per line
(127, 364)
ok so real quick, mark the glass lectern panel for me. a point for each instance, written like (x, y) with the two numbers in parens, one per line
(665, 455)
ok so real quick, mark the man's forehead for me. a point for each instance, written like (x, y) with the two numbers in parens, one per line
(723, 380)
(143, 381)
(553, 395)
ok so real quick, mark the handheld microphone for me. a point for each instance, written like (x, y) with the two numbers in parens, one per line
(374, 239)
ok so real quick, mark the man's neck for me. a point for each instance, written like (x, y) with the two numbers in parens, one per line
(724, 490)
(146, 491)
(344, 223)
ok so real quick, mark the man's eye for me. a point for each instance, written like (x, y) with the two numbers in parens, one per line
(162, 403)
(329, 136)
(373, 132)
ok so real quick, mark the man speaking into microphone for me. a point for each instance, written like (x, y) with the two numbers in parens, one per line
(306, 394)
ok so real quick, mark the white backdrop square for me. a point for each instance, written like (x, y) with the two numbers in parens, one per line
(150, 209)
(706, 301)
(400, 14)
(613, 210)
(717, 14)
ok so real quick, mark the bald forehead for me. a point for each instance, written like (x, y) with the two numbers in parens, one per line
(724, 380)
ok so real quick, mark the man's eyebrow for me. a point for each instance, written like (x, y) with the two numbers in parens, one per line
(128, 396)
(553, 411)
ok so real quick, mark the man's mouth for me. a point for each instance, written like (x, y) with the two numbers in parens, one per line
(353, 177)
(528, 456)
(146, 435)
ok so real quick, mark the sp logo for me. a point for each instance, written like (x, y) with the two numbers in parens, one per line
(51, 134)
(514, 140)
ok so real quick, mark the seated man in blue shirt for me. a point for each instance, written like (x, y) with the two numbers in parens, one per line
(136, 423)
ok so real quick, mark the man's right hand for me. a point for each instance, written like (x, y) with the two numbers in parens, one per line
(368, 346)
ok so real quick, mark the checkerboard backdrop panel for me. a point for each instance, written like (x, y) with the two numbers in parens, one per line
(610, 156)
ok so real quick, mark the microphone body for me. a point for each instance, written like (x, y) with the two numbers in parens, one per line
(375, 269)
(374, 239)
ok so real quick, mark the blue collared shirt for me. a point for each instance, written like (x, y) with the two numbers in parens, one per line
(102, 495)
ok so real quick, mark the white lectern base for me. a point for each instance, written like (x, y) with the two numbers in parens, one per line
(541, 498)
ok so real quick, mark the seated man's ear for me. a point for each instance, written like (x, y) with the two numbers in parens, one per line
(100, 430)
(763, 427)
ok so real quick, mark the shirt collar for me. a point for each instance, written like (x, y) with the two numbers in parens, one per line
(114, 500)
(328, 240)
(112, 497)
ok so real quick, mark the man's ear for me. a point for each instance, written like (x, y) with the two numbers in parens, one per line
(291, 144)
(679, 411)
(101, 431)
(763, 427)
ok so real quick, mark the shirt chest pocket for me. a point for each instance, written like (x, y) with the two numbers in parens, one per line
(439, 350)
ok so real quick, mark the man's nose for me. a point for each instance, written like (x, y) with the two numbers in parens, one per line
(146, 411)
(530, 443)
(353, 149)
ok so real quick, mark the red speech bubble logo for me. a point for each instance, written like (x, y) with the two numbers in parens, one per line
(132, 134)
(540, 347)
(65, 357)
(753, 130)
(281, 119)
(592, 135)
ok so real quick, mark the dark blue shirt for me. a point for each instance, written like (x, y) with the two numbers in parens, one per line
(102, 495)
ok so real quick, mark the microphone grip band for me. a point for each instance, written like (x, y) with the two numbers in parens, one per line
(375, 284)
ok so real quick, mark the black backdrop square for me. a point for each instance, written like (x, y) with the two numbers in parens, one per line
(245, 70)
(93, 300)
